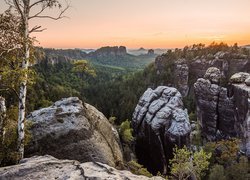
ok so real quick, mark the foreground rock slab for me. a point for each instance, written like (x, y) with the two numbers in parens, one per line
(48, 167)
(70, 129)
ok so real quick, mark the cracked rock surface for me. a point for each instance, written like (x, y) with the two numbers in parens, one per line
(224, 112)
(48, 167)
(70, 129)
(160, 122)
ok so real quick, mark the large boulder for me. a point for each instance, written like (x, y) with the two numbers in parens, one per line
(160, 122)
(70, 129)
(48, 167)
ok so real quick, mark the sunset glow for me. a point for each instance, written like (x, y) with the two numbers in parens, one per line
(147, 23)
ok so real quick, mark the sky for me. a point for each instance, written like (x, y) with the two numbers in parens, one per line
(146, 23)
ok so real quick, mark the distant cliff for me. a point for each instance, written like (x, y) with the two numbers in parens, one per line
(109, 52)
(111, 56)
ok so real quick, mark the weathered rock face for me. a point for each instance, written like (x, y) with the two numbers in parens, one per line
(188, 71)
(69, 53)
(214, 108)
(48, 167)
(159, 122)
(223, 112)
(68, 129)
(181, 74)
(240, 92)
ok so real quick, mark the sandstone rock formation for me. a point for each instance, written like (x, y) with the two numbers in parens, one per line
(151, 52)
(188, 71)
(224, 112)
(109, 51)
(72, 130)
(69, 53)
(240, 92)
(48, 167)
(214, 108)
(181, 74)
(159, 122)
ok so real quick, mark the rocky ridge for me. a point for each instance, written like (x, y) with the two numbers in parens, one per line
(109, 51)
(186, 71)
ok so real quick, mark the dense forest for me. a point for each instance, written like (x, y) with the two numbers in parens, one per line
(115, 90)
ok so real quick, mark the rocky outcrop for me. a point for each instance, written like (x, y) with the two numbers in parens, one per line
(48, 167)
(214, 108)
(69, 53)
(181, 74)
(222, 112)
(73, 130)
(151, 52)
(188, 71)
(160, 122)
(240, 92)
(109, 52)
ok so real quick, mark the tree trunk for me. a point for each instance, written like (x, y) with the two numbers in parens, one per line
(2, 117)
(23, 85)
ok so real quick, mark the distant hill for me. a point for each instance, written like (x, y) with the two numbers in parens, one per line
(143, 51)
(111, 56)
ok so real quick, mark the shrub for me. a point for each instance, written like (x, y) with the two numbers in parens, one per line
(217, 172)
(186, 164)
(125, 132)
(138, 169)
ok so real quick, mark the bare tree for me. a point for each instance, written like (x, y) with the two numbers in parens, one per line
(27, 10)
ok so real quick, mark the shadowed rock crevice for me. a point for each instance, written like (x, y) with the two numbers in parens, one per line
(159, 122)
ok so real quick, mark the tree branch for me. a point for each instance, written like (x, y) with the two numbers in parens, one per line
(60, 16)
(43, 8)
(36, 3)
(37, 29)
(10, 88)
(17, 5)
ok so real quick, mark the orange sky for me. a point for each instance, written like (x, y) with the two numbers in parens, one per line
(147, 23)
